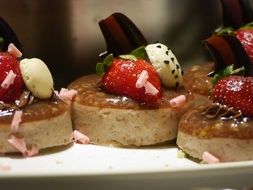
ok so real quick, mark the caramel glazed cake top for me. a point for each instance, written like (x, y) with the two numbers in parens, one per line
(37, 110)
(196, 78)
(214, 120)
(90, 94)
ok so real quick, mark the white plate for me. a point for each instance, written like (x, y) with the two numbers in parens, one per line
(111, 168)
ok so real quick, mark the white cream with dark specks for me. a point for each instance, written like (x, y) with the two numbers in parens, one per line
(166, 64)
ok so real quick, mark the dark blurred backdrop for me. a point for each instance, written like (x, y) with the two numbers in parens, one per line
(65, 33)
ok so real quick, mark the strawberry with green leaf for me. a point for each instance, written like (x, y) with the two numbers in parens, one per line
(9, 65)
(130, 76)
(245, 35)
(236, 92)
(232, 43)
(233, 89)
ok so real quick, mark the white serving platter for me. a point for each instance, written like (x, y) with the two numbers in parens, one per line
(98, 167)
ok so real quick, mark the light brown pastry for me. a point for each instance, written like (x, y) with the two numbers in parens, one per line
(117, 120)
(45, 123)
(208, 129)
(197, 81)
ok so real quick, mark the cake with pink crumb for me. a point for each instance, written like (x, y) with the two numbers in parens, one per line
(32, 116)
(137, 96)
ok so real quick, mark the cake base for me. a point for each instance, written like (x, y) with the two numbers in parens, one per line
(116, 120)
(44, 124)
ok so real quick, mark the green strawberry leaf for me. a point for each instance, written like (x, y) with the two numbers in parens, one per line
(101, 67)
(229, 70)
(128, 56)
(248, 26)
(140, 52)
(224, 31)
(1, 43)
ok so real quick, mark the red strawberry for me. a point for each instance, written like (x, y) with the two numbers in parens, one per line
(122, 75)
(7, 63)
(236, 92)
(245, 35)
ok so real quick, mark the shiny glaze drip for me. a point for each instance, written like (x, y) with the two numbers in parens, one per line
(194, 123)
(223, 112)
(37, 110)
(90, 94)
(196, 79)
(25, 98)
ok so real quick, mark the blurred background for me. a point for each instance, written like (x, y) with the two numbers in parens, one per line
(65, 33)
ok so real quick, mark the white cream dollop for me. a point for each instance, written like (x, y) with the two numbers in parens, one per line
(166, 64)
(37, 77)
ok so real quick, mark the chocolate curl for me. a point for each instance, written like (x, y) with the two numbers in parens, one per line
(227, 50)
(9, 36)
(236, 13)
(121, 35)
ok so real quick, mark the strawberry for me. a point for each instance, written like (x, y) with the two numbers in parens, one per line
(245, 35)
(235, 91)
(7, 63)
(122, 75)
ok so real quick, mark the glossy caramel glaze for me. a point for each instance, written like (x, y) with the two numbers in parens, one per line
(196, 124)
(90, 94)
(38, 110)
(196, 79)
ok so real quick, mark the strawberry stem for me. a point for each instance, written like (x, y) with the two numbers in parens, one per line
(130, 57)
(228, 71)
(140, 52)
(101, 67)
(1, 43)
(223, 31)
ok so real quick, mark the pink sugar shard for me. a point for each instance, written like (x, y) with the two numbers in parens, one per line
(210, 158)
(13, 50)
(178, 101)
(142, 79)
(9, 79)
(80, 137)
(17, 118)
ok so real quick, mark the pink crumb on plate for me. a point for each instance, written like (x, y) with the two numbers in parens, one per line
(210, 158)
(80, 137)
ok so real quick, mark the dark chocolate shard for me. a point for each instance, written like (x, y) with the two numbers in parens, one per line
(241, 56)
(9, 36)
(133, 33)
(114, 36)
(121, 35)
(220, 51)
(236, 13)
(247, 11)
(228, 50)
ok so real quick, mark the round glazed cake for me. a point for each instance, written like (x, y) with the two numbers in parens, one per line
(197, 81)
(44, 124)
(109, 119)
(32, 116)
(201, 130)
(222, 130)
